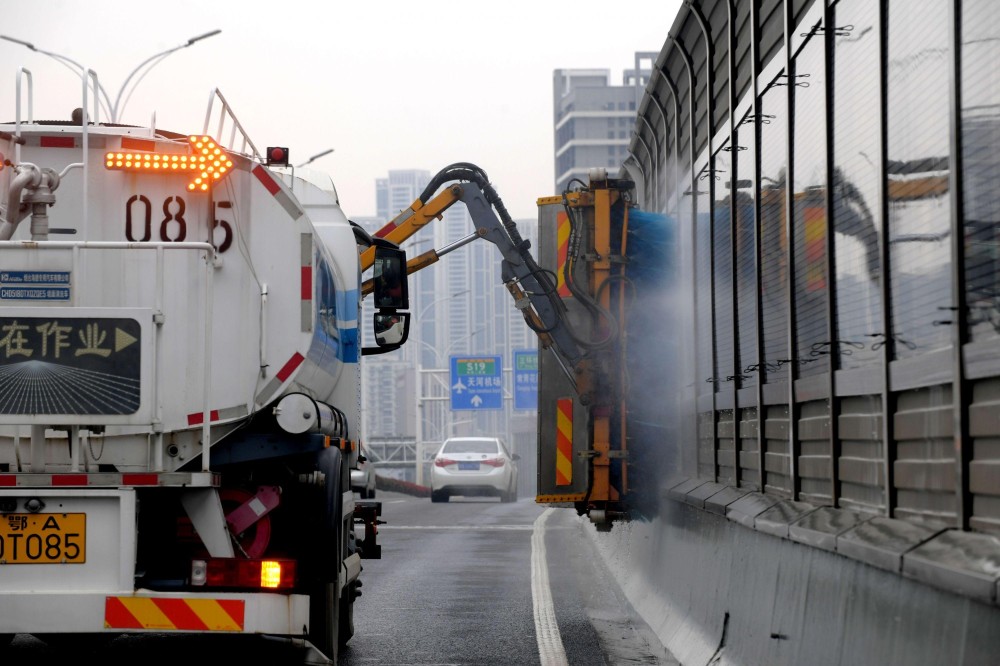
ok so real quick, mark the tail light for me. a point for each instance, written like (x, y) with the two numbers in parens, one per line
(494, 462)
(443, 462)
(251, 574)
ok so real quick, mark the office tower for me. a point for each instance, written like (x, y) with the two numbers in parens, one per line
(594, 118)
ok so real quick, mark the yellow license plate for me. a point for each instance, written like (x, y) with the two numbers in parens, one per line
(43, 538)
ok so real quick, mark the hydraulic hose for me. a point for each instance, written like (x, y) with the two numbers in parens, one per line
(470, 172)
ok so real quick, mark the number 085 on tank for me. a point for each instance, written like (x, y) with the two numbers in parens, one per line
(43, 538)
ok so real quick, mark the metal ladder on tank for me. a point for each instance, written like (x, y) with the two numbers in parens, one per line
(227, 121)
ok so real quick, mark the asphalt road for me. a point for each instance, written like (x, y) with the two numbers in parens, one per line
(456, 585)
(468, 582)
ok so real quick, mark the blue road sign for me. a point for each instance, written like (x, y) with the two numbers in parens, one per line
(476, 383)
(526, 379)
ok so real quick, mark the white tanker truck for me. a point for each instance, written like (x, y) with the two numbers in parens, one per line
(179, 385)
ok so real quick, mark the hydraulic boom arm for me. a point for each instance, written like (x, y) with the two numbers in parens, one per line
(532, 287)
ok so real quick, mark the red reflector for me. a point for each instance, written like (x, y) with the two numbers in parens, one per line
(384, 231)
(140, 480)
(199, 417)
(57, 142)
(307, 288)
(266, 180)
(69, 479)
(289, 368)
(253, 574)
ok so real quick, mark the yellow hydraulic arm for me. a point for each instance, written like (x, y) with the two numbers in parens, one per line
(409, 222)
(533, 290)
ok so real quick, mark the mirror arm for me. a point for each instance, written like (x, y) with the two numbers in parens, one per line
(368, 351)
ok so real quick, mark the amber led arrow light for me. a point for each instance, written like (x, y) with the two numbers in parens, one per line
(206, 163)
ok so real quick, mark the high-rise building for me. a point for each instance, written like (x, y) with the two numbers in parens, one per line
(594, 118)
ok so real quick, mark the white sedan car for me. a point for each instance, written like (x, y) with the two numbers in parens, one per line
(474, 466)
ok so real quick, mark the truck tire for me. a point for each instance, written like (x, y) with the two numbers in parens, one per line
(347, 597)
(324, 620)
(325, 603)
(346, 629)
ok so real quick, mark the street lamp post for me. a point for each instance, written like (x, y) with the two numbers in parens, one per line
(314, 158)
(113, 110)
(68, 63)
(423, 311)
(427, 307)
(157, 58)
(440, 396)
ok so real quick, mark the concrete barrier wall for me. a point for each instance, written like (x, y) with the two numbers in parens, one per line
(717, 592)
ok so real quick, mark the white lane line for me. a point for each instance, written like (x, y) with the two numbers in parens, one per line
(550, 645)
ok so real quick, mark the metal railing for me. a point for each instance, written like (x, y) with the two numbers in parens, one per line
(227, 122)
(392, 451)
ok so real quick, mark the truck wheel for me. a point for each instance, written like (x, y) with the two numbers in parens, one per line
(324, 621)
(346, 629)
(325, 604)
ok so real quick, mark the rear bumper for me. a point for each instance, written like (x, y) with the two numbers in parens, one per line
(496, 480)
(157, 612)
(98, 594)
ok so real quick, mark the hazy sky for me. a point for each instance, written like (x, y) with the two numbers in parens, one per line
(388, 85)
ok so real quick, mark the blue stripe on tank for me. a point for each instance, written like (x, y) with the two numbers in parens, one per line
(349, 350)
(347, 304)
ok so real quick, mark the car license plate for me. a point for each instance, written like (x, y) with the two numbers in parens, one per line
(43, 538)
(470, 466)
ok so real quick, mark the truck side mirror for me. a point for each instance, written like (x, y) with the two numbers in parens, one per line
(389, 275)
(392, 329)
